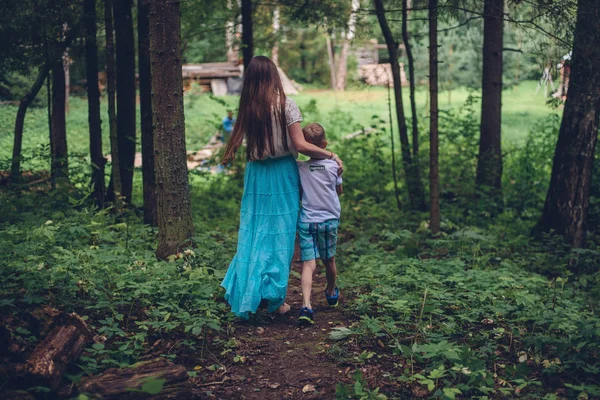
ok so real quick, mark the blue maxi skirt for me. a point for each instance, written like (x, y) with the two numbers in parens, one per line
(268, 217)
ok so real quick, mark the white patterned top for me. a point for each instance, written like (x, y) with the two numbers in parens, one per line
(292, 115)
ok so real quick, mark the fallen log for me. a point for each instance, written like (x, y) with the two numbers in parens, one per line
(63, 344)
(17, 395)
(123, 382)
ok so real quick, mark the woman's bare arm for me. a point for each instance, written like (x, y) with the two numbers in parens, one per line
(309, 149)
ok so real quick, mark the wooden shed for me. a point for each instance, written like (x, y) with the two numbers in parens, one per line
(212, 77)
(224, 78)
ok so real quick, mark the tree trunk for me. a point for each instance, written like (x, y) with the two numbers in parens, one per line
(15, 170)
(489, 163)
(59, 169)
(148, 173)
(67, 68)
(126, 96)
(302, 48)
(342, 70)
(330, 58)
(413, 180)
(49, 99)
(567, 202)
(115, 187)
(247, 38)
(230, 31)
(93, 94)
(411, 78)
(276, 28)
(175, 225)
(394, 171)
(434, 178)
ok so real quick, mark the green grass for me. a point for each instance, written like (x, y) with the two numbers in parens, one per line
(522, 109)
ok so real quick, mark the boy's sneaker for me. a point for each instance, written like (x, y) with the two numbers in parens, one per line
(306, 316)
(333, 300)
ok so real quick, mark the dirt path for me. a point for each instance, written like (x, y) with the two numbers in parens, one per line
(282, 359)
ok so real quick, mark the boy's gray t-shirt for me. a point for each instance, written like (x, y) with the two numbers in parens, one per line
(320, 201)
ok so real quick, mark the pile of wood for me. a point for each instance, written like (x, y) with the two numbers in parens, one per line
(63, 337)
(380, 74)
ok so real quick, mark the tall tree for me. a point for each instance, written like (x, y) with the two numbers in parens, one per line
(67, 67)
(247, 37)
(342, 67)
(93, 94)
(175, 225)
(489, 162)
(330, 59)
(276, 29)
(15, 170)
(148, 173)
(434, 172)
(413, 179)
(567, 202)
(411, 79)
(115, 190)
(394, 171)
(230, 30)
(59, 167)
(126, 96)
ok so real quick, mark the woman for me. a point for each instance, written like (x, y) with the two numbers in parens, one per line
(270, 122)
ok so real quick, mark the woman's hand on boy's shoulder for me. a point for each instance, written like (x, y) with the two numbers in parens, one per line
(340, 164)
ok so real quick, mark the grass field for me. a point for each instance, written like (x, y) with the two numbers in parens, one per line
(522, 109)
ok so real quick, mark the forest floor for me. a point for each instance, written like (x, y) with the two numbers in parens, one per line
(281, 359)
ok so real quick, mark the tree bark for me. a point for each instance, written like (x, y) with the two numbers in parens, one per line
(567, 202)
(59, 168)
(413, 179)
(65, 342)
(148, 172)
(93, 94)
(175, 225)
(489, 163)
(411, 79)
(15, 170)
(331, 59)
(126, 96)
(342, 70)
(67, 68)
(434, 189)
(247, 38)
(394, 171)
(276, 28)
(230, 33)
(115, 190)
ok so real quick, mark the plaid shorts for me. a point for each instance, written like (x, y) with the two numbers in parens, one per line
(318, 239)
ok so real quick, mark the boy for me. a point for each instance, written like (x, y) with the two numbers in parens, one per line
(227, 122)
(319, 220)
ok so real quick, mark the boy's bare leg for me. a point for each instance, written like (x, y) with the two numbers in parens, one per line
(308, 269)
(331, 273)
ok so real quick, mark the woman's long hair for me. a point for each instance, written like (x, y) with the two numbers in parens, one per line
(261, 104)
